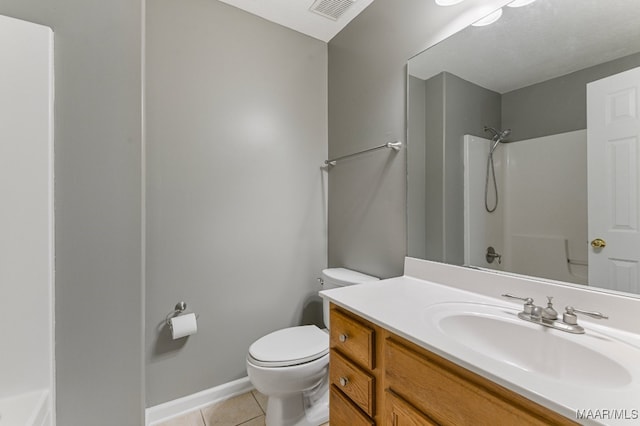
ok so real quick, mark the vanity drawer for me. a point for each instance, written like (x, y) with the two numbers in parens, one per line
(452, 395)
(356, 383)
(343, 412)
(352, 338)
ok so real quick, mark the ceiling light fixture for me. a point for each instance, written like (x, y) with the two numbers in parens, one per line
(489, 19)
(448, 2)
(520, 3)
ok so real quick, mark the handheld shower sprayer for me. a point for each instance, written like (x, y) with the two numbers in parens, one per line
(498, 136)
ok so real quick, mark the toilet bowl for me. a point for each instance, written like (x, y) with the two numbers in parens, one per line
(291, 366)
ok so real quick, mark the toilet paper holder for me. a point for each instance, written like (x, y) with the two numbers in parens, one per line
(177, 311)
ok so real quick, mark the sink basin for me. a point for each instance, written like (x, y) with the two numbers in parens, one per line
(496, 333)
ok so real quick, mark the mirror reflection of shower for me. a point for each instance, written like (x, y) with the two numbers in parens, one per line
(547, 171)
(499, 136)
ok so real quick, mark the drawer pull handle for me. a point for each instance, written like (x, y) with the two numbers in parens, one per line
(343, 381)
(343, 338)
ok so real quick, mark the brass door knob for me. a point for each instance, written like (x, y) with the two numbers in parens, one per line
(598, 243)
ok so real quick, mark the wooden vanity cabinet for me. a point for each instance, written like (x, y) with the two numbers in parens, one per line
(379, 378)
(345, 412)
(398, 412)
(355, 374)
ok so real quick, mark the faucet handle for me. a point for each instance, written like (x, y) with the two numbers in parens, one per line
(528, 302)
(570, 317)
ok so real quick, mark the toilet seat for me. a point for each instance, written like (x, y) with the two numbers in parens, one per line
(290, 346)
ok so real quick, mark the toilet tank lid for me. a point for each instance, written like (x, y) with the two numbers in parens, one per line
(343, 276)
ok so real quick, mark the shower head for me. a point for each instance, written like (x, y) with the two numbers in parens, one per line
(492, 130)
(498, 135)
(504, 134)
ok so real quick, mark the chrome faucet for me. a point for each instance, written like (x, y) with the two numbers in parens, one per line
(548, 316)
(492, 255)
(570, 318)
(548, 313)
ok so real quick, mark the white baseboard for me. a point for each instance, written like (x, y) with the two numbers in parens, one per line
(180, 406)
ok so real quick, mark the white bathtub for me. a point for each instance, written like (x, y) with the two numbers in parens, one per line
(27, 409)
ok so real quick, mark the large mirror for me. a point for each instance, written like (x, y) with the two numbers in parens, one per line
(523, 145)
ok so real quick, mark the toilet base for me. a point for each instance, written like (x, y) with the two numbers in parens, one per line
(308, 409)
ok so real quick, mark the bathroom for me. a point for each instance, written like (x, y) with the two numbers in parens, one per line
(226, 204)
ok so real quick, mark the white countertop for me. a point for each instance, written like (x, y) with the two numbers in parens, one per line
(399, 305)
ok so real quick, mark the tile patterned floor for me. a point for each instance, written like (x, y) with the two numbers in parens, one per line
(247, 410)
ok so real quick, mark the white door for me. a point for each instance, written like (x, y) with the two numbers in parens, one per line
(613, 132)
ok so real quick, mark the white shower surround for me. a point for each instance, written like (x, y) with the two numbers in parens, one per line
(28, 409)
(541, 219)
(26, 223)
(482, 229)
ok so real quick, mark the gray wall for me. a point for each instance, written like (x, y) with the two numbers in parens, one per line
(236, 135)
(435, 170)
(468, 108)
(442, 110)
(416, 170)
(558, 105)
(98, 295)
(367, 107)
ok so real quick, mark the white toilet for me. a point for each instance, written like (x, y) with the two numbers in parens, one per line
(291, 366)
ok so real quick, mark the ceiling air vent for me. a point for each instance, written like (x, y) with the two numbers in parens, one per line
(331, 9)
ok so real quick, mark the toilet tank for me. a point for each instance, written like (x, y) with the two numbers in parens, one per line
(340, 277)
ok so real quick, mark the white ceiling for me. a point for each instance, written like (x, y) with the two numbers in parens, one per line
(295, 14)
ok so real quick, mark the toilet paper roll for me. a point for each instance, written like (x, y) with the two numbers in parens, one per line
(183, 325)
